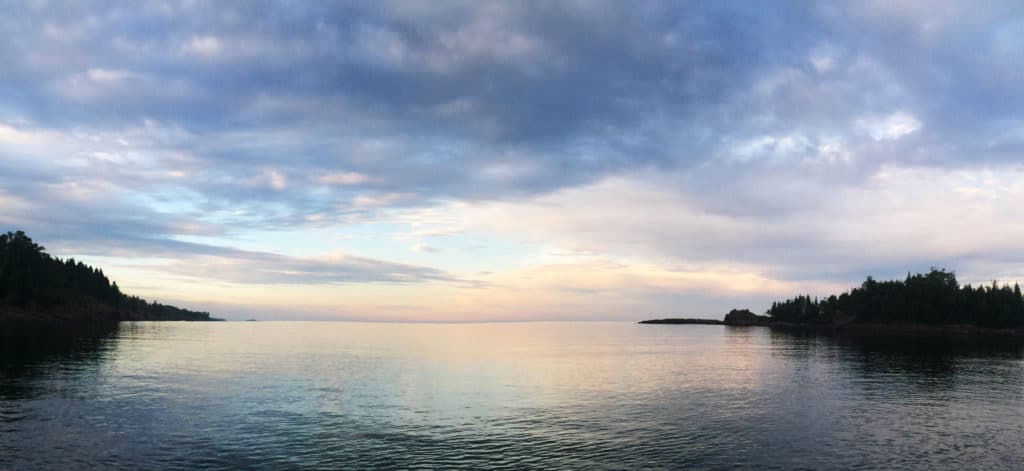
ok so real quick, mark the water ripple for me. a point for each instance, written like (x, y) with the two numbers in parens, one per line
(523, 396)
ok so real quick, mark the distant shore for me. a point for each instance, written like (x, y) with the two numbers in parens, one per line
(68, 314)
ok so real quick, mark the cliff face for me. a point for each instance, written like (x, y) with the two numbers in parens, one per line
(744, 317)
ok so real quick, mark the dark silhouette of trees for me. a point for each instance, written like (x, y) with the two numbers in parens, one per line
(931, 298)
(32, 279)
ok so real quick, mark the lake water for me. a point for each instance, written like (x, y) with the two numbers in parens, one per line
(533, 395)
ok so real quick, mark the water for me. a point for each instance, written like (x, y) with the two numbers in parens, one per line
(534, 395)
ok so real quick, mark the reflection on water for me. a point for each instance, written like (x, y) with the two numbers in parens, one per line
(273, 395)
(28, 350)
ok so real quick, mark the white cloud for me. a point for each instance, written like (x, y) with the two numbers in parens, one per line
(825, 58)
(112, 76)
(20, 136)
(380, 200)
(822, 63)
(424, 248)
(786, 147)
(99, 84)
(891, 127)
(205, 46)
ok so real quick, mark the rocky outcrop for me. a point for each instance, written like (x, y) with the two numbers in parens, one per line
(744, 317)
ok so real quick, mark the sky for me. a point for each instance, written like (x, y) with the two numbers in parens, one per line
(502, 161)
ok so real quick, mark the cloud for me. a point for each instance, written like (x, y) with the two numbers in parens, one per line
(423, 248)
(904, 218)
(891, 127)
(445, 49)
(728, 134)
(79, 221)
(343, 178)
(206, 46)
(264, 268)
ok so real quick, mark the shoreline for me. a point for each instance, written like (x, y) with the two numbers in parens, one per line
(66, 314)
(906, 329)
(867, 327)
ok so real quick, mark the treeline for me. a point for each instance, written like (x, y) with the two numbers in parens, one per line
(32, 279)
(932, 298)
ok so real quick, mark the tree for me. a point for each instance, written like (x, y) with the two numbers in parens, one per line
(31, 278)
(935, 297)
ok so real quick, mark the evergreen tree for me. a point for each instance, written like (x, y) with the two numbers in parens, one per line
(31, 278)
(933, 298)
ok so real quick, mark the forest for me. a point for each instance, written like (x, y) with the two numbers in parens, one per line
(32, 279)
(931, 298)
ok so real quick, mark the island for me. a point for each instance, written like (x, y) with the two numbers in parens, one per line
(932, 302)
(38, 287)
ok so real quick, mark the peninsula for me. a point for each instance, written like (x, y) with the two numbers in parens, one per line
(734, 317)
(933, 302)
(682, 320)
(37, 287)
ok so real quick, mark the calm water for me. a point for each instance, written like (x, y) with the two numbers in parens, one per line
(544, 395)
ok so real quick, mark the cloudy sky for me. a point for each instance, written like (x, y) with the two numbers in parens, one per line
(469, 160)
